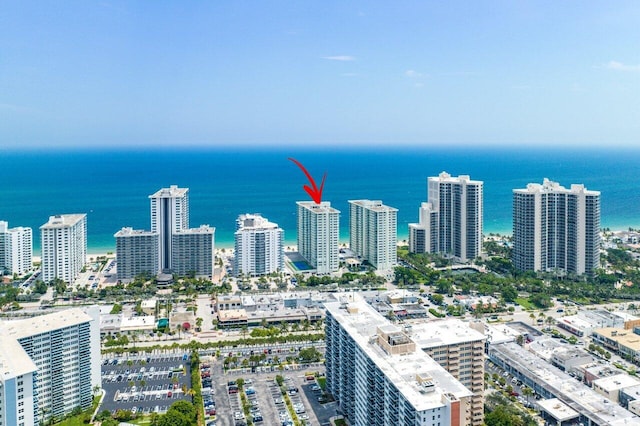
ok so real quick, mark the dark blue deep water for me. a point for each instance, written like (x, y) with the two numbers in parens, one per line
(112, 186)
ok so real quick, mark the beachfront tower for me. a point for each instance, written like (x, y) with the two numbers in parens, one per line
(16, 249)
(556, 229)
(64, 247)
(451, 219)
(136, 253)
(258, 246)
(169, 215)
(373, 233)
(192, 252)
(318, 235)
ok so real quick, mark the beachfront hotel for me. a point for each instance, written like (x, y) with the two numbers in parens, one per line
(318, 235)
(379, 376)
(373, 233)
(64, 247)
(49, 365)
(137, 253)
(556, 229)
(169, 215)
(451, 219)
(258, 246)
(16, 249)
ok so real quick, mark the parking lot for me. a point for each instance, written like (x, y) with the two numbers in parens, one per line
(145, 385)
(267, 405)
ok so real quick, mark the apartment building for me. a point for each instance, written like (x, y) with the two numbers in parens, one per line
(373, 233)
(53, 364)
(380, 377)
(556, 229)
(459, 349)
(64, 247)
(192, 252)
(136, 252)
(451, 221)
(16, 249)
(318, 235)
(258, 246)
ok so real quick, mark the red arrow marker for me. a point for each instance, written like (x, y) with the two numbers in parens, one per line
(315, 193)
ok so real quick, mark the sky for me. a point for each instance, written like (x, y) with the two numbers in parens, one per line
(326, 73)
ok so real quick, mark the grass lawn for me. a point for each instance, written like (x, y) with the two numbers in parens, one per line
(525, 303)
(79, 419)
(322, 382)
(340, 422)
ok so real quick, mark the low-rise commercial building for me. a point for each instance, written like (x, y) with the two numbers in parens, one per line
(611, 386)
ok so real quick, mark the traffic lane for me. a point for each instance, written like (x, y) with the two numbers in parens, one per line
(322, 412)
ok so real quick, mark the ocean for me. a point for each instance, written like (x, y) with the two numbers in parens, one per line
(112, 185)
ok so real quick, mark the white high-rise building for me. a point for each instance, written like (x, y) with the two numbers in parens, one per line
(16, 249)
(451, 221)
(556, 229)
(380, 377)
(169, 215)
(53, 365)
(318, 235)
(373, 233)
(64, 247)
(136, 253)
(258, 246)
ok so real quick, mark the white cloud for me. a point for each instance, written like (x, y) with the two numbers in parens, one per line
(619, 66)
(412, 74)
(340, 58)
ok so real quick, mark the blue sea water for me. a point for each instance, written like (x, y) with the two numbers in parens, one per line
(112, 186)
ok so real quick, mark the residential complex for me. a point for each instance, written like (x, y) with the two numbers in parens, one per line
(451, 219)
(373, 233)
(459, 349)
(556, 229)
(137, 253)
(169, 215)
(379, 376)
(258, 246)
(192, 251)
(50, 365)
(318, 235)
(171, 246)
(16, 249)
(64, 247)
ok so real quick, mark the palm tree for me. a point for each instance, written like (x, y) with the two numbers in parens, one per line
(533, 317)
(179, 328)
(527, 391)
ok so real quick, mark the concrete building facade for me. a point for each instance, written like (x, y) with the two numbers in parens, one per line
(169, 215)
(258, 246)
(318, 235)
(379, 377)
(451, 221)
(64, 348)
(16, 249)
(192, 252)
(374, 233)
(556, 229)
(136, 252)
(64, 247)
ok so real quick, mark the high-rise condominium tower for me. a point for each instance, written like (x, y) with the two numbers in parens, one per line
(258, 246)
(16, 249)
(64, 247)
(451, 220)
(318, 235)
(373, 232)
(137, 253)
(379, 376)
(50, 365)
(556, 229)
(169, 215)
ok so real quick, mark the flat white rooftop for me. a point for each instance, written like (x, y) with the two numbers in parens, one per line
(14, 361)
(443, 333)
(63, 220)
(400, 369)
(617, 382)
(44, 323)
(558, 409)
(172, 192)
(373, 205)
(323, 207)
